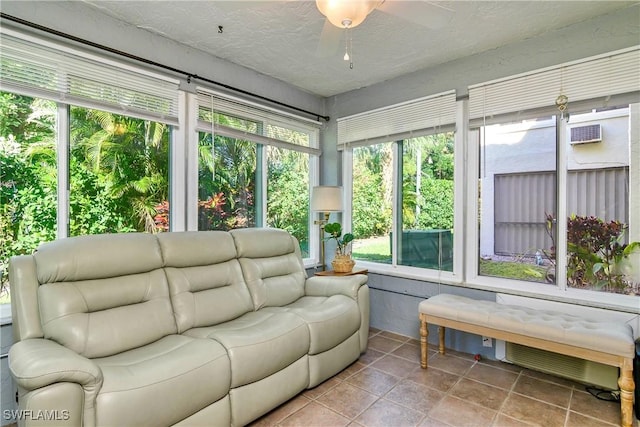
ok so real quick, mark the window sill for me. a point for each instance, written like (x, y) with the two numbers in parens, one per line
(617, 302)
(595, 299)
(415, 273)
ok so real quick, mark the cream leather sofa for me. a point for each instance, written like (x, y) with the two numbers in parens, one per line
(188, 328)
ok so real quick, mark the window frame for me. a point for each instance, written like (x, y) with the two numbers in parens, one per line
(265, 118)
(466, 242)
(558, 291)
(589, 83)
(179, 111)
(410, 272)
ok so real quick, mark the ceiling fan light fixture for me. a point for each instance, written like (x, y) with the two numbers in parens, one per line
(346, 13)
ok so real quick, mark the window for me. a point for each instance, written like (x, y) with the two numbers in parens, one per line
(227, 183)
(554, 211)
(258, 169)
(118, 173)
(517, 199)
(598, 199)
(288, 194)
(425, 213)
(372, 202)
(28, 178)
(399, 162)
(427, 202)
(88, 145)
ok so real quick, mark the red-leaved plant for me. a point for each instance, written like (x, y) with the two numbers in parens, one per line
(595, 250)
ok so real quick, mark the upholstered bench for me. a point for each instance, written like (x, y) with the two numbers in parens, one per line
(610, 343)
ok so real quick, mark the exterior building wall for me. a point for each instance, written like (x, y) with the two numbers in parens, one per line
(529, 148)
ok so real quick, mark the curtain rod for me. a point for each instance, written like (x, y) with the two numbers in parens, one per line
(188, 75)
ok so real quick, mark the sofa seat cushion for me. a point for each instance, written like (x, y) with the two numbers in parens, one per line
(171, 379)
(259, 343)
(331, 320)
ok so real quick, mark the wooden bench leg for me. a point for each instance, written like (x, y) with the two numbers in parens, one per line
(626, 393)
(441, 339)
(424, 333)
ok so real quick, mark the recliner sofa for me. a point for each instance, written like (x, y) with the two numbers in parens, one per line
(181, 328)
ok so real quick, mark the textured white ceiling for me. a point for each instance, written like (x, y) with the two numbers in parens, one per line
(282, 38)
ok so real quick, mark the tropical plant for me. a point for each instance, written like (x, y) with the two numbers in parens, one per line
(334, 229)
(27, 177)
(130, 158)
(287, 192)
(595, 252)
(226, 181)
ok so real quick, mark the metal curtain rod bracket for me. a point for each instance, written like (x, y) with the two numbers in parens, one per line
(188, 75)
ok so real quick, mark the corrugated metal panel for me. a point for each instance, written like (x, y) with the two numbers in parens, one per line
(521, 201)
(603, 193)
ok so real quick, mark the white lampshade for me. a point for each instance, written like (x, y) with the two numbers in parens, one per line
(341, 12)
(326, 199)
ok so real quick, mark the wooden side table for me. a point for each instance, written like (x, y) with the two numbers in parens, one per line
(333, 273)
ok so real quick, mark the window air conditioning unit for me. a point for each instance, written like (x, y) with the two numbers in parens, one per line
(586, 134)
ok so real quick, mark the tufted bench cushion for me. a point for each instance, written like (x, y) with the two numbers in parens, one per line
(610, 343)
(612, 337)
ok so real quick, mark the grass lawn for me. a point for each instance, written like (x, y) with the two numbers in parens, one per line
(375, 250)
(512, 270)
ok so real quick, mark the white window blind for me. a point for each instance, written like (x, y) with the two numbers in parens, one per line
(432, 114)
(46, 69)
(241, 119)
(595, 78)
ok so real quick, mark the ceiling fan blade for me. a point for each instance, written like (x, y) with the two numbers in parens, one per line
(424, 13)
(329, 40)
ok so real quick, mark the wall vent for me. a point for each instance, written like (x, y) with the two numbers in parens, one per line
(586, 134)
(580, 370)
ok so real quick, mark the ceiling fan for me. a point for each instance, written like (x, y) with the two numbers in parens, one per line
(344, 15)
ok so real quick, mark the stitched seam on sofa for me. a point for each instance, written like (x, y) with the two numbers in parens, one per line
(64, 371)
(147, 291)
(325, 319)
(173, 347)
(253, 343)
(165, 379)
(160, 252)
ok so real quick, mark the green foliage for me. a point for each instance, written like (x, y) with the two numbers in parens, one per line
(287, 194)
(119, 170)
(27, 177)
(371, 213)
(334, 229)
(427, 186)
(428, 161)
(226, 180)
(436, 205)
(118, 174)
(595, 252)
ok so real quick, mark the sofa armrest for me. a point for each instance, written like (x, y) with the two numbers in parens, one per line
(335, 285)
(36, 363)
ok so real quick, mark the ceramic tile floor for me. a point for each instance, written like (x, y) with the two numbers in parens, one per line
(387, 388)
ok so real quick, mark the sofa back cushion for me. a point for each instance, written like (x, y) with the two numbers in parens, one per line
(205, 280)
(271, 264)
(103, 294)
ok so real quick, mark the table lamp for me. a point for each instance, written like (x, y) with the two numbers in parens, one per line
(325, 199)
